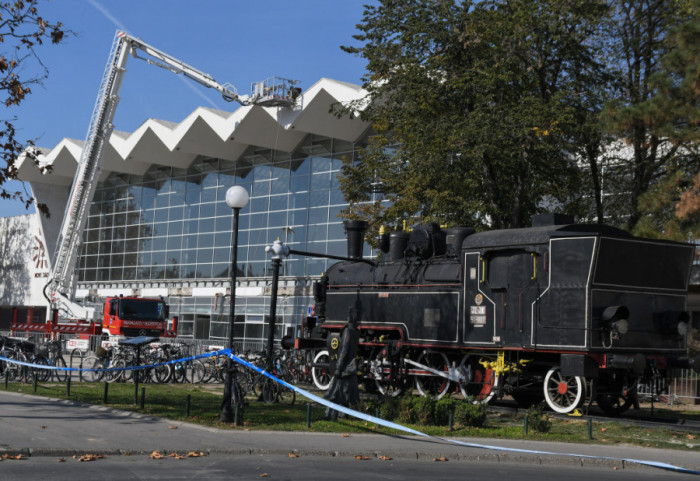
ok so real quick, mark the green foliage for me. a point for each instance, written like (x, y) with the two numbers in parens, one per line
(470, 414)
(481, 91)
(537, 421)
(443, 408)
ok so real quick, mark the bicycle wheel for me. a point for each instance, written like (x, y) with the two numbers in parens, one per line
(41, 374)
(93, 363)
(179, 372)
(286, 395)
(60, 374)
(196, 371)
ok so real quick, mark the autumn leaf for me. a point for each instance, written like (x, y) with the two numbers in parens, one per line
(362, 458)
(156, 455)
(441, 458)
(385, 458)
(293, 455)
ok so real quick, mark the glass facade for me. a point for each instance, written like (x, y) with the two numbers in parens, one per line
(172, 225)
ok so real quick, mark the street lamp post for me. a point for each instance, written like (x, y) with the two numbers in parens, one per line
(236, 199)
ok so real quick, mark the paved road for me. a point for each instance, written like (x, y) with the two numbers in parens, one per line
(43, 427)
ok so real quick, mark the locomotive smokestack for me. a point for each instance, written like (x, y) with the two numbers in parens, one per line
(355, 231)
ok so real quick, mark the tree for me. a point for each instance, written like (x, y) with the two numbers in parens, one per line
(475, 106)
(22, 31)
(648, 168)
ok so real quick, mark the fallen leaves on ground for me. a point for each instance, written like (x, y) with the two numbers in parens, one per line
(346, 435)
(172, 427)
(156, 455)
(10, 456)
(293, 455)
(61, 460)
(196, 454)
(90, 457)
(385, 458)
(441, 458)
(362, 458)
(264, 475)
(176, 456)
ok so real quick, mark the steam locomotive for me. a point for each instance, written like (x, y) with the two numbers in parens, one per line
(562, 312)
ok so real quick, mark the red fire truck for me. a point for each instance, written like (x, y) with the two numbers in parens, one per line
(137, 316)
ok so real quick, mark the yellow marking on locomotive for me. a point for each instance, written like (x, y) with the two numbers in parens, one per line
(501, 366)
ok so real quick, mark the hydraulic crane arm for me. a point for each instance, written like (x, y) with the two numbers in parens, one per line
(273, 92)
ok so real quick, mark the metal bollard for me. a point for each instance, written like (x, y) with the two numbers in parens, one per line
(525, 425)
(187, 406)
(590, 428)
(143, 397)
(7, 378)
(104, 396)
(450, 421)
(308, 415)
(68, 385)
(36, 381)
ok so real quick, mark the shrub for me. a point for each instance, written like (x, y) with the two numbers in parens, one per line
(389, 408)
(443, 408)
(537, 420)
(423, 410)
(468, 414)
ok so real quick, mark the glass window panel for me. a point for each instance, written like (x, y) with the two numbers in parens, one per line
(205, 240)
(244, 221)
(337, 248)
(91, 261)
(277, 219)
(206, 225)
(191, 211)
(337, 197)
(177, 198)
(144, 258)
(297, 235)
(318, 215)
(176, 213)
(299, 200)
(158, 273)
(160, 229)
(189, 256)
(146, 244)
(92, 248)
(174, 242)
(210, 179)
(143, 272)
(315, 267)
(258, 221)
(93, 235)
(258, 236)
(131, 245)
(209, 195)
(279, 186)
(221, 255)
(259, 204)
(255, 269)
(190, 226)
(175, 228)
(188, 271)
(172, 271)
(158, 258)
(159, 243)
(243, 238)
(207, 210)
(280, 170)
(115, 274)
(220, 270)
(205, 256)
(299, 184)
(257, 253)
(261, 188)
(90, 275)
(317, 233)
(129, 273)
(335, 214)
(193, 194)
(173, 257)
(336, 231)
(189, 242)
(298, 217)
(162, 200)
(203, 271)
(278, 202)
(147, 216)
(319, 198)
(262, 172)
(300, 166)
(161, 215)
(223, 224)
(320, 164)
(223, 239)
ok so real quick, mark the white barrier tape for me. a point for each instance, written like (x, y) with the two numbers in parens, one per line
(398, 427)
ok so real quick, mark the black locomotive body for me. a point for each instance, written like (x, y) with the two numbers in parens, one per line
(560, 311)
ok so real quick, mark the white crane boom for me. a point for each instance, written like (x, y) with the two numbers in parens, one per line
(273, 92)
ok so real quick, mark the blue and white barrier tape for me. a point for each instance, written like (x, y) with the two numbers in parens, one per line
(363, 416)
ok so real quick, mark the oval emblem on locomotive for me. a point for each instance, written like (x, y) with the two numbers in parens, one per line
(334, 343)
(478, 299)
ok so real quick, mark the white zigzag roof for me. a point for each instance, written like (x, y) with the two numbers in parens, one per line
(209, 132)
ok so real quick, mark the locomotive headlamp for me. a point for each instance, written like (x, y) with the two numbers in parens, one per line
(620, 327)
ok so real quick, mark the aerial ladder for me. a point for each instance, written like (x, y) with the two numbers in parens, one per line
(60, 289)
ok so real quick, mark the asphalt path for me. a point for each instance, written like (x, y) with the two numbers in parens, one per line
(52, 436)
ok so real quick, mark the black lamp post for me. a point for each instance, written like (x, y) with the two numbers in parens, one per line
(236, 198)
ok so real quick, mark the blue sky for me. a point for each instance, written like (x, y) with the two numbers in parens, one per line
(233, 41)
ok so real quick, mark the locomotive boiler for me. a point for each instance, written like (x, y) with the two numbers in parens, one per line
(562, 312)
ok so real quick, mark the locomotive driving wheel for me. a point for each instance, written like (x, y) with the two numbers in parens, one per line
(321, 375)
(564, 393)
(381, 370)
(427, 382)
(479, 384)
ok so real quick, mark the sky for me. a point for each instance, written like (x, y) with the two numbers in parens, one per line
(233, 41)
